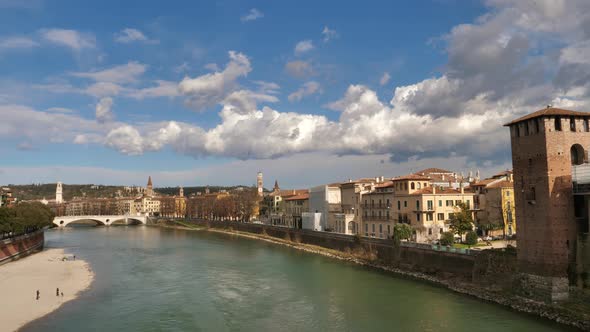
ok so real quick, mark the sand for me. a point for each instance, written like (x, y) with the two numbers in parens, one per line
(44, 271)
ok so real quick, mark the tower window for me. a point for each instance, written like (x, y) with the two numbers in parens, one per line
(526, 129)
(558, 123)
(572, 123)
(536, 123)
(586, 125)
(517, 130)
(577, 154)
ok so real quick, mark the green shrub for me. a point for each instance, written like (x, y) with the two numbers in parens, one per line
(447, 239)
(471, 238)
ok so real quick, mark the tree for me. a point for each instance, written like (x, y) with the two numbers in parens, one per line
(402, 232)
(471, 238)
(447, 239)
(461, 221)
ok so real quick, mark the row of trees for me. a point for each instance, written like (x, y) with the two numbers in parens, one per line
(24, 218)
(239, 205)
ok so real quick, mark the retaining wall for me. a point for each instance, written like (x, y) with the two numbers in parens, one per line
(413, 257)
(21, 246)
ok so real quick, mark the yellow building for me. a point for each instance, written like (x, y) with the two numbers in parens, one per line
(495, 206)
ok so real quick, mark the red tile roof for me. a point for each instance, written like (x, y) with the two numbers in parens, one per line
(298, 197)
(549, 111)
(411, 177)
(433, 170)
(502, 184)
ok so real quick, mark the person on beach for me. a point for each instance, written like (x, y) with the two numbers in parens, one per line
(57, 292)
(74, 257)
(38, 294)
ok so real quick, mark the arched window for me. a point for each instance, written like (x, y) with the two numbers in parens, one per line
(412, 186)
(577, 154)
(419, 185)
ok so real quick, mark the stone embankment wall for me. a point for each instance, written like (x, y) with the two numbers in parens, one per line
(489, 269)
(21, 246)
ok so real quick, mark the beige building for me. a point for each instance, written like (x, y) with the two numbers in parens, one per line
(294, 207)
(412, 200)
(351, 197)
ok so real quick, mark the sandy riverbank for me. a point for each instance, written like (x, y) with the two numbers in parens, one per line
(44, 271)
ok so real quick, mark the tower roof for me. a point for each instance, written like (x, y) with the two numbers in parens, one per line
(549, 111)
(276, 187)
(149, 181)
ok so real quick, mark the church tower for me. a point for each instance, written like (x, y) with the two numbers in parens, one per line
(150, 188)
(259, 184)
(181, 192)
(59, 193)
(276, 189)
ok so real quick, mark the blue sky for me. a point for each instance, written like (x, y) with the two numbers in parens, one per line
(209, 92)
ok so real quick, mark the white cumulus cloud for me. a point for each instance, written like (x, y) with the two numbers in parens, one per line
(70, 38)
(307, 89)
(252, 15)
(104, 111)
(303, 46)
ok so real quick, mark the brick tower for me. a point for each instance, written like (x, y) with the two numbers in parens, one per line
(548, 146)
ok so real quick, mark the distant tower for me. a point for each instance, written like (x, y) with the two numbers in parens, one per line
(276, 188)
(150, 188)
(207, 191)
(181, 192)
(59, 193)
(259, 184)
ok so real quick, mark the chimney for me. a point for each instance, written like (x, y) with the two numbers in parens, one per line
(434, 190)
(461, 186)
(382, 178)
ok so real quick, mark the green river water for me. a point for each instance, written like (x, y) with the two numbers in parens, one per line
(151, 279)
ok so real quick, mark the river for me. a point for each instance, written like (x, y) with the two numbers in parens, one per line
(151, 279)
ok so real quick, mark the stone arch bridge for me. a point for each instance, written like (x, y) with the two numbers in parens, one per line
(100, 220)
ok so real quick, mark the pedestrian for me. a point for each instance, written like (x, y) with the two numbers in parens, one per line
(74, 257)
(57, 292)
(38, 294)
(62, 294)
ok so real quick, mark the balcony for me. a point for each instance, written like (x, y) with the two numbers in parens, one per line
(581, 179)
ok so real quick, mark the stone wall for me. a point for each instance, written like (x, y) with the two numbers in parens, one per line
(21, 246)
(423, 259)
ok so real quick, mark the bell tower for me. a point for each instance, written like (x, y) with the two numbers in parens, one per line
(59, 193)
(259, 184)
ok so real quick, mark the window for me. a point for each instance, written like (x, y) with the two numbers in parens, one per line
(379, 203)
(430, 205)
(577, 154)
(388, 229)
(430, 231)
(399, 205)
(429, 217)
(387, 214)
(558, 123)
(457, 201)
(387, 204)
(406, 186)
(440, 202)
(366, 228)
(380, 228)
(413, 186)
(373, 228)
(405, 203)
(467, 204)
(440, 216)
(419, 185)
(517, 130)
(379, 214)
(372, 203)
(508, 206)
(507, 193)
(449, 202)
(526, 129)
(572, 123)
(417, 205)
(417, 216)
(536, 124)
(586, 125)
